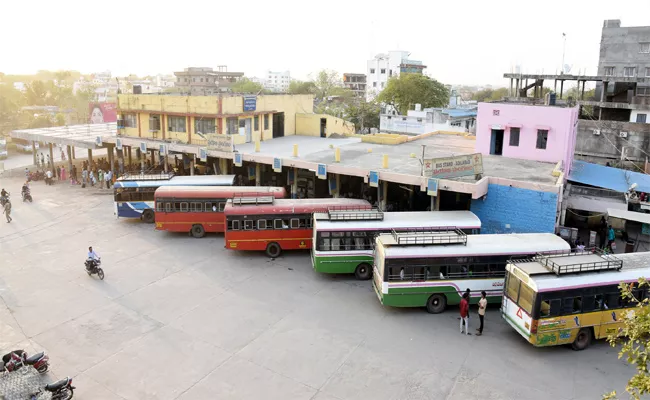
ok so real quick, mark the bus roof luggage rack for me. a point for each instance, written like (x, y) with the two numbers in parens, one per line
(430, 236)
(248, 200)
(147, 177)
(577, 262)
(356, 215)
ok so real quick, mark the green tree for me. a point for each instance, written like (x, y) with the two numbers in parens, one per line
(301, 87)
(634, 339)
(364, 114)
(37, 93)
(11, 100)
(245, 85)
(490, 94)
(406, 90)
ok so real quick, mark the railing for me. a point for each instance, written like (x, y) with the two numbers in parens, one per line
(162, 176)
(356, 215)
(596, 192)
(407, 276)
(251, 200)
(432, 236)
(607, 262)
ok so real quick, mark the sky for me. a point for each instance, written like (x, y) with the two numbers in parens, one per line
(461, 42)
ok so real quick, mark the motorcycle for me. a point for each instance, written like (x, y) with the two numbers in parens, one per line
(92, 267)
(61, 390)
(19, 358)
(27, 196)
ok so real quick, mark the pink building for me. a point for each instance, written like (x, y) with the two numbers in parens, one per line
(531, 132)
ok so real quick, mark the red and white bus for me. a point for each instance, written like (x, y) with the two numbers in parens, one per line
(267, 224)
(199, 209)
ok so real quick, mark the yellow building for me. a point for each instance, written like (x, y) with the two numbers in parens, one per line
(188, 119)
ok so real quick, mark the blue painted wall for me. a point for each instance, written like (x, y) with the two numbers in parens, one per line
(527, 211)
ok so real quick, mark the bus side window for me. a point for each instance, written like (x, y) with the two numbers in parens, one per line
(177, 207)
(261, 224)
(550, 308)
(277, 224)
(235, 224)
(222, 205)
(295, 223)
(248, 225)
(168, 207)
(324, 241)
(571, 305)
(613, 300)
(160, 207)
(588, 303)
(184, 207)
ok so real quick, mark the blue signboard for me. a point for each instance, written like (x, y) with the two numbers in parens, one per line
(118, 143)
(373, 178)
(143, 147)
(163, 150)
(321, 172)
(203, 154)
(432, 187)
(251, 172)
(332, 184)
(277, 164)
(290, 176)
(238, 160)
(250, 103)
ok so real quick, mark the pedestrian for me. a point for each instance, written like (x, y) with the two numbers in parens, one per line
(58, 172)
(464, 314)
(42, 160)
(482, 304)
(63, 173)
(100, 178)
(84, 176)
(611, 237)
(108, 177)
(7, 211)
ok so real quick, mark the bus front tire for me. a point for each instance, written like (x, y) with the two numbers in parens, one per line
(197, 231)
(273, 250)
(436, 303)
(583, 339)
(363, 272)
(148, 216)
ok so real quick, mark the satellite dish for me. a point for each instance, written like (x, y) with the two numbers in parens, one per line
(567, 68)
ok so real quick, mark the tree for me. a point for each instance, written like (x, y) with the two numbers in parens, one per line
(10, 104)
(245, 85)
(364, 114)
(490, 94)
(301, 87)
(406, 90)
(37, 93)
(635, 339)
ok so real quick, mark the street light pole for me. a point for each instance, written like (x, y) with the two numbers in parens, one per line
(563, 52)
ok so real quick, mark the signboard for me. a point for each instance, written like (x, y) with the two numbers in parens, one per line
(101, 113)
(162, 150)
(373, 179)
(251, 172)
(237, 160)
(118, 143)
(143, 147)
(432, 187)
(98, 140)
(332, 185)
(453, 167)
(250, 103)
(291, 176)
(277, 164)
(645, 229)
(321, 171)
(218, 142)
(203, 154)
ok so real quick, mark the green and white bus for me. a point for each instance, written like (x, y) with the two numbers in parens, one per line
(344, 240)
(433, 269)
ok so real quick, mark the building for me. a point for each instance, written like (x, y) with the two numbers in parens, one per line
(277, 81)
(356, 83)
(418, 122)
(386, 65)
(203, 81)
(531, 132)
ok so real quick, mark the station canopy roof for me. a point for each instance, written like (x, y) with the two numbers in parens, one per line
(601, 176)
(84, 136)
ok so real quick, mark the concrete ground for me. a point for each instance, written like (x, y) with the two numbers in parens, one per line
(183, 318)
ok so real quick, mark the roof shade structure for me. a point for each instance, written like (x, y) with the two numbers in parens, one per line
(84, 136)
(601, 176)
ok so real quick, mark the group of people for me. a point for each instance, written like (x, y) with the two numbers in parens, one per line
(464, 312)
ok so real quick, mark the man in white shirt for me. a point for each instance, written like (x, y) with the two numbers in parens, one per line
(482, 305)
(94, 257)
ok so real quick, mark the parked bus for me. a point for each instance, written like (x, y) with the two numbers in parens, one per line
(270, 225)
(199, 209)
(345, 239)
(433, 269)
(134, 195)
(571, 299)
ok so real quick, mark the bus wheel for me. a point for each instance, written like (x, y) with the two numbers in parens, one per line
(273, 250)
(198, 231)
(436, 303)
(148, 216)
(363, 272)
(583, 339)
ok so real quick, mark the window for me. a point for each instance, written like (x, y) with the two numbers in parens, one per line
(372, 70)
(231, 126)
(647, 72)
(382, 85)
(542, 138)
(201, 79)
(514, 136)
(644, 47)
(629, 71)
(374, 84)
(248, 225)
(526, 298)
(550, 308)
(641, 118)
(130, 121)
(383, 70)
(154, 122)
(277, 224)
(176, 124)
(266, 121)
(261, 224)
(193, 79)
(160, 206)
(512, 290)
(210, 207)
(168, 207)
(234, 225)
(609, 71)
(295, 223)
(196, 207)
(390, 72)
(256, 122)
(204, 125)
(184, 207)
(643, 91)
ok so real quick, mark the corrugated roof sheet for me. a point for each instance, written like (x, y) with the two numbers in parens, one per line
(601, 176)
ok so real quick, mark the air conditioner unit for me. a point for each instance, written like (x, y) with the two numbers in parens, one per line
(622, 134)
(596, 131)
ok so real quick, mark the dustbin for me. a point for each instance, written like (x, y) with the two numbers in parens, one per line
(629, 246)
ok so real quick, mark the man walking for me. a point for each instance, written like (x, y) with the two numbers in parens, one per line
(7, 211)
(482, 304)
(464, 313)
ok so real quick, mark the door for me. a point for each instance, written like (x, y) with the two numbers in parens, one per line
(496, 144)
(249, 132)
(323, 127)
(278, 125)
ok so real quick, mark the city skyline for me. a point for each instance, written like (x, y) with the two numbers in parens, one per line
(458, 48)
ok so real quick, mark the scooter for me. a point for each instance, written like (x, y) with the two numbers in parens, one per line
(61, 390)
(92, 267)
(27, 196)
(18, 358)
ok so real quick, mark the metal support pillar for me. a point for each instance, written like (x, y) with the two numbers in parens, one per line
(34, 154)
(69, 151)
(129, 151)
(294, 184)
(51, 157)
(384, 194)
(561, 88)
(109, 150)
(90, 158)
(258, 174)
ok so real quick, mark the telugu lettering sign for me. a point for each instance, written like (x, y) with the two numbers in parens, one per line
(220, 143)
(453, 167)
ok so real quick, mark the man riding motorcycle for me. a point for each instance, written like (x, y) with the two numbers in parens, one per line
(92, 259)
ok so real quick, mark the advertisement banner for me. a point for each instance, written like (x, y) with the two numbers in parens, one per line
(237, 160)
(321, 172)
(101, 113)
(218, 142)
(453, 167)
(277, 164)
(373, 179)
(432, 187)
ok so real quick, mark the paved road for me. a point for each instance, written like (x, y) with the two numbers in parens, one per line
(182, 318)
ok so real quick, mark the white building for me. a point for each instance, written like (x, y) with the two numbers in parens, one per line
(277, 81)
(384, 66)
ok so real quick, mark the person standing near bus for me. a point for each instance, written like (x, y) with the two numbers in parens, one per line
(464, 314)
(482, 304)
(7, 211)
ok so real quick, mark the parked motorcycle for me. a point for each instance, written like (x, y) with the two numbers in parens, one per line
(11, 361)
(18, 358)
(27, 196)
(61, 390)
(92, 267)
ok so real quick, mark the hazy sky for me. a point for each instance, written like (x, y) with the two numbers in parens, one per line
(470, 41)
